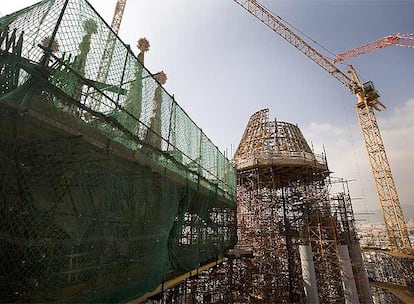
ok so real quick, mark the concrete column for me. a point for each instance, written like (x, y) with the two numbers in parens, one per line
(308, 274)
(360, 274)
(350, 290)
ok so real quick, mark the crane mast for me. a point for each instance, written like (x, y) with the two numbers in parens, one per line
(394, 220)
(395, 224)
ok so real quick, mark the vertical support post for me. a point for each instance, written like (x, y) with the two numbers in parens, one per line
(217, 163)
(348, 280)
(362, 283)
(308, 273)
(172, 112)
(200, 150)
(122, 76)
(53, 36)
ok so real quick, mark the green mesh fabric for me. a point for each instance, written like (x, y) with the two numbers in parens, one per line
(108, 188)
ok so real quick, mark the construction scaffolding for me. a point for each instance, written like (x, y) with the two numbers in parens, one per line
(296, 240)
(355, 279)
(284, 217)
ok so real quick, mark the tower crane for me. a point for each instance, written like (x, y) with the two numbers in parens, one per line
(367, 103)
(404, 40)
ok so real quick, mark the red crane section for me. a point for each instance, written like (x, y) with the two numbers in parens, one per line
(405, 40)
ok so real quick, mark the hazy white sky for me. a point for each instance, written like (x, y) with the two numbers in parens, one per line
(223, 65)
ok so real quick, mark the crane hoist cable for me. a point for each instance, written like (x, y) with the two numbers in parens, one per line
(303, 34)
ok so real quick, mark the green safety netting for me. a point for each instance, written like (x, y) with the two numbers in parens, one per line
(107, 186)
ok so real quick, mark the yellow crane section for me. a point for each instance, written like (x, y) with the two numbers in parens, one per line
(367, 95)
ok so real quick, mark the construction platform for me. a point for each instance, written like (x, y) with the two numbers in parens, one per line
(270, 143)
(400, 292)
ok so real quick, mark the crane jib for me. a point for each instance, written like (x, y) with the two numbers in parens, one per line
(276, 24)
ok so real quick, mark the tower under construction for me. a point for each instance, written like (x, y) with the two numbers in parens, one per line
(296, 239)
